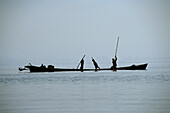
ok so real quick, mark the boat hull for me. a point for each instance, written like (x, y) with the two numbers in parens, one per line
(44, 69)
(134, 67)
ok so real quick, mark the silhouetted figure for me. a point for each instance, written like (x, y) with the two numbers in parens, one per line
(43, 66)
(114, 67)
(95, 64)
(82, 65)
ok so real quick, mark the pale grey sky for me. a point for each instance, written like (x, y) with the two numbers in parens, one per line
(40, 31)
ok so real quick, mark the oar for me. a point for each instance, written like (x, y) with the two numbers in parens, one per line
(80, 62)
(116, 47)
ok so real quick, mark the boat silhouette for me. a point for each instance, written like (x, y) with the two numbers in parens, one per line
(50, 68)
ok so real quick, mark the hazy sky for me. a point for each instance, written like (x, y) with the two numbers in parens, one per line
(40, 31)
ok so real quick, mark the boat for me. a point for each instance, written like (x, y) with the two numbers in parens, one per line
(51, 68)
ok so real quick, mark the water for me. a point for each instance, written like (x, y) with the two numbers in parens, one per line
(88, 92)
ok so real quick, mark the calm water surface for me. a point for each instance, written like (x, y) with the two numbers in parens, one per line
(88, 92)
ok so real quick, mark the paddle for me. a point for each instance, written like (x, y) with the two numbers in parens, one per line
(80, 62)
(116, 47)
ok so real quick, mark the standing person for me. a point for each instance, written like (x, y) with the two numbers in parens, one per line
(114, 63)
(82, 65)
(114, 67)
(95, 64)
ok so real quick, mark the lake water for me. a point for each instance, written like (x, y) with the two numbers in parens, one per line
(88, 92)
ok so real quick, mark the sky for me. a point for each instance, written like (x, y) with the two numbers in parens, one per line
(62, 31)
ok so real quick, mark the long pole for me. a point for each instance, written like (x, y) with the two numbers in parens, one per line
(80, 62)
(116, 47)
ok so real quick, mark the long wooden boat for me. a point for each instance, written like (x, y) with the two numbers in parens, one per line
(51, 68)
